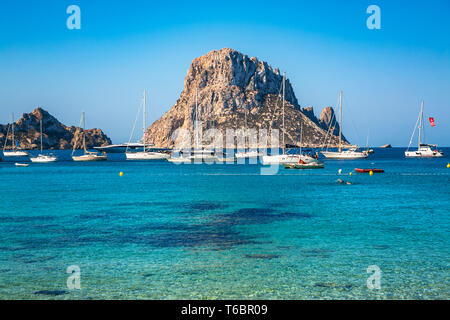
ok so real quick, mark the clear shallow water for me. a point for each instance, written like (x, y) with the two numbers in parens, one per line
(166, 231)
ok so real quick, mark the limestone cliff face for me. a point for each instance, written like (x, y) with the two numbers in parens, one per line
(229, 85)
(55, 134)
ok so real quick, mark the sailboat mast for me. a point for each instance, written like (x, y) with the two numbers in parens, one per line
(84, 135)
(245, 130)
(143, 121)
(340, 121)
(284, 95)
(420, 124)
(13, 142)
(40, 124)
(196, 119)
(301, 137)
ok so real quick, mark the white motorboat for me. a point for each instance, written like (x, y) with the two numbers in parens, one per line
(145, 154)
(88, 155)
(42, 158)
(350, 154)
(13, 152)
(423, 150)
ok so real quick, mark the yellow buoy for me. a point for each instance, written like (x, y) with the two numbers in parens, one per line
(121, 173)
(371, 172)
(350, 173)
(448, 165)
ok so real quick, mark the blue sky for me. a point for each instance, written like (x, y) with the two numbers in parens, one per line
(324, 46)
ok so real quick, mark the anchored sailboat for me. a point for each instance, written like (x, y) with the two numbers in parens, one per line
(351, 153)
(42, 158)
(312, 164)
(423, 150)
(285, 158)
(247, 153)
(14, 151)
(199, 153)
(88, 155)
(144, 155)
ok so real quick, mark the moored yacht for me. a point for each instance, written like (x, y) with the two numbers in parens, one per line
(13, 152)
(42, 158)
(144, 154)
(351, 153)
(423, 150)
(88, 155)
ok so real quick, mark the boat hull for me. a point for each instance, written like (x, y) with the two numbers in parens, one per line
(247, 155)
(15, 153)
(86, 158)
(282, 159)
(146, 156)
(419, 154)
(344, 155)
(43, 159)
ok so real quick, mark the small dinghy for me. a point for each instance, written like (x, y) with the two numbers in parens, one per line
(21, 164)
(368, 170)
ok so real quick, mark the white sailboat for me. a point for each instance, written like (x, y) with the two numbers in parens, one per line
(144, 155)
(351, 153)
(88, 155)
(284, 158)
(423, 150)
(14, 151)
(42, 158)
(311, 163)
(247, 153)
(199, 153)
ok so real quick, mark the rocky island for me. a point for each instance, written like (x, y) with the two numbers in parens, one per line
(55, 134)
(231, 87)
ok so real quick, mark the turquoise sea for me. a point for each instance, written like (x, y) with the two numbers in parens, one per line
(224, 231)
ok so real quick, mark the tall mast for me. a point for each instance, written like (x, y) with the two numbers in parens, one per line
(284, 95)
(143, 121)
(40, 124)
(195, 121)
(13, 142)
(420, 123)
(301, 137)
(245, 129)
(340, 121)
(84, 135)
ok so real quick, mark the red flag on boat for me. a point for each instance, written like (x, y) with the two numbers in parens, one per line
(433, 124)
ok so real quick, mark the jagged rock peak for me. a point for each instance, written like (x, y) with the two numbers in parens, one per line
(219, 69)
(55, 134)
(233, 91)
(328, 120)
